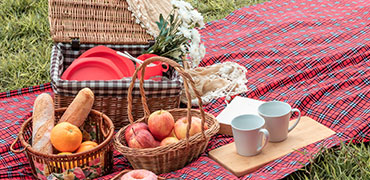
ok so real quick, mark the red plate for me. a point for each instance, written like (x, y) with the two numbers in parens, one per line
(125, 65)
(92, 68)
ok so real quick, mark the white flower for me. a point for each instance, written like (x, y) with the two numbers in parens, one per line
(184, 31)
(189, 44)
(201, 24)
(193, 51)
(197, 18)
(202, 51)
(184, 15)
(195, 36)
(196, 53)
(181, 4)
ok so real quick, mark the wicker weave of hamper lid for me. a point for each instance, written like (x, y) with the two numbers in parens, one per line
(98, 22)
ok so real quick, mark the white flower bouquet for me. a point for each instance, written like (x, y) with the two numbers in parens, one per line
(178, 39)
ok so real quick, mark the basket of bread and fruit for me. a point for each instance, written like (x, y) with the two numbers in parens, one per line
(67, 143)
(165, 140)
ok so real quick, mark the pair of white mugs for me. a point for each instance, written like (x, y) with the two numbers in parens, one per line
(273, 124)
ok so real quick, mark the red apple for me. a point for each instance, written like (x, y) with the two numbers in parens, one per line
(169, 140)
(136, 126)
(142, 139)
(182, 123)
(172, 134)
(160, 124)
(141, 174)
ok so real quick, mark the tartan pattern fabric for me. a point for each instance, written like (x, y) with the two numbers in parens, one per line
(312, 54)
(63, 55)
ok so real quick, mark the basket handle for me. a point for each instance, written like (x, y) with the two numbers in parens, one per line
(13, 144)
(105, 134)
(186, 78)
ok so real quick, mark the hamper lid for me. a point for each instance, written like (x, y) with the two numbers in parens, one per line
(96, 21)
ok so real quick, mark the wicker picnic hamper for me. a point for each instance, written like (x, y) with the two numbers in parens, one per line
(168, 158)
(78, 25)
(89, 164)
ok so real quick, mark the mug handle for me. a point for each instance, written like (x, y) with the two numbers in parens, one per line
(296, 122)
(267, 137)
(165, 67)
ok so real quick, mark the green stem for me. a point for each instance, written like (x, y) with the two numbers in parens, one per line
(169, 52)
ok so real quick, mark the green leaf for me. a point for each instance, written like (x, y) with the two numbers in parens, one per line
(159, 25)
(164, 31)
(161, 19)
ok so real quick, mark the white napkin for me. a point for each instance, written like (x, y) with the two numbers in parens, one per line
(238, 106)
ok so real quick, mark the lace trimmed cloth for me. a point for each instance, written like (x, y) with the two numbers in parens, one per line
(146, 13)
(218, 80)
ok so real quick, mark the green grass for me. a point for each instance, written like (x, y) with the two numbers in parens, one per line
(347, 161)
(218, 9)
(25, 47)
(25, 44)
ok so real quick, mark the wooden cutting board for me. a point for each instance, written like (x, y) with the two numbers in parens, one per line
(306, 132)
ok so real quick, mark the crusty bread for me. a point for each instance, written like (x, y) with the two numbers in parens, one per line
(80, 108)
(42, 122)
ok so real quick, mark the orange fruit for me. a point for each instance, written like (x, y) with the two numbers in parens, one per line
(66, 137)
(86, 145)
(64, 153)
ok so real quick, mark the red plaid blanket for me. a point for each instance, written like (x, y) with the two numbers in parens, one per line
(313, 54)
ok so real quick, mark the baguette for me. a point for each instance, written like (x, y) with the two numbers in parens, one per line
(42, 123)
(80, 108)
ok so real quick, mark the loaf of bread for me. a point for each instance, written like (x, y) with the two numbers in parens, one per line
(42, 122)
(80, 108)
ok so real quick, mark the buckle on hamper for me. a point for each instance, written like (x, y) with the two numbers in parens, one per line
(75, 43)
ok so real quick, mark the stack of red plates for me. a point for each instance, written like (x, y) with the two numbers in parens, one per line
(99, 63)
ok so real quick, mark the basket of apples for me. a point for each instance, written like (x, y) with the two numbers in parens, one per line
(165, 140)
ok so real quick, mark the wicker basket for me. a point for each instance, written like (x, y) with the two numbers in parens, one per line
(92, 163)
(77, 25)
(168, 158)
(98, 21)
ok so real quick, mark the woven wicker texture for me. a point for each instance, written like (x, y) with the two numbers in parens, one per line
(174, 156)
(116, 107)
(57, 163)
(98, 21)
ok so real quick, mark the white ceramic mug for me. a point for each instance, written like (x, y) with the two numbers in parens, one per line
(248, 132)
(277, 115)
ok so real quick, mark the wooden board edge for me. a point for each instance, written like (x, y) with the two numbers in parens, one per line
(225, 129)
